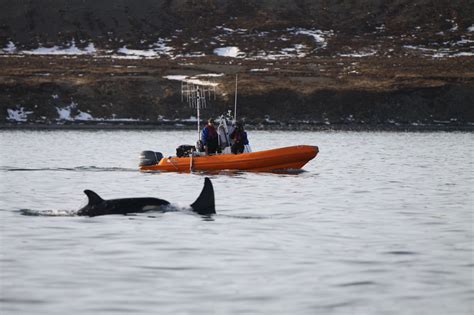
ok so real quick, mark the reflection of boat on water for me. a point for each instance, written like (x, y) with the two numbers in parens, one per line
(191, 158)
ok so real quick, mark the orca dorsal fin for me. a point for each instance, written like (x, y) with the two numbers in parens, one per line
(93, 197)
(205, 204)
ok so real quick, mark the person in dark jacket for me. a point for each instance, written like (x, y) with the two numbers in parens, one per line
(239, 138)
(209, 137)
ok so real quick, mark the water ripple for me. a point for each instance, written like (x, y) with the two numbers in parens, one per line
(48, 213)
(68, 169)
(401, 252)
(19, 300)
(357, 283)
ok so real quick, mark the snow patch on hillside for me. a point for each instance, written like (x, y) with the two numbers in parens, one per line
(83, 116)
(19, 114)
(463, 54)
(175, 77)
(65, 113)
(320, 37)
(162, 48)
(72, 49)
(360, 54)
(10, 48)
(209, 75)
(195, 79)
(445, 52)
(455, 25)
(231, 51)
(137, 53)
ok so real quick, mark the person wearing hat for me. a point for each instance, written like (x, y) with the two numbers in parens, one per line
(209, 137)
(239, 138)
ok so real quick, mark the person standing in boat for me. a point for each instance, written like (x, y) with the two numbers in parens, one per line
(239, 138)
(209, 137)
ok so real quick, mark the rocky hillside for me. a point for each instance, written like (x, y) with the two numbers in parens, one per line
(302, 61)
(110, 23)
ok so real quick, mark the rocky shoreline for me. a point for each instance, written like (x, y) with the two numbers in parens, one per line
(277, 126)
(309, 92)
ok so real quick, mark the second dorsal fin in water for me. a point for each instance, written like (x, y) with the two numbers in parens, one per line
(205, 204)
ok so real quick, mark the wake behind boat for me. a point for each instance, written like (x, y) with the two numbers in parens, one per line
(194, 158)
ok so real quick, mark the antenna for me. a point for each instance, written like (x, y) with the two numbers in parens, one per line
(196, 93)
(235, 103)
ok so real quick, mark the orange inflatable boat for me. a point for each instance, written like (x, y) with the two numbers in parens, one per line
(294, 157)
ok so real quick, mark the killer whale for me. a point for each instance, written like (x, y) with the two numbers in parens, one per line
(204, 204)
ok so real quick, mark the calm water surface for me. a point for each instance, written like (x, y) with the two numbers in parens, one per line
(379, 223)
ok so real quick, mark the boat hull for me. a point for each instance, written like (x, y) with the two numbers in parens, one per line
(294, 157)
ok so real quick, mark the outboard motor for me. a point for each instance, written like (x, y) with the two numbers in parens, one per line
(150, 158)
(185, 150)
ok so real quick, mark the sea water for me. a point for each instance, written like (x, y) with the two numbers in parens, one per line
(378, 223)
